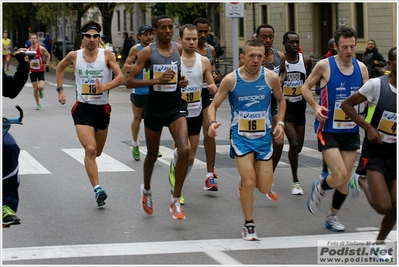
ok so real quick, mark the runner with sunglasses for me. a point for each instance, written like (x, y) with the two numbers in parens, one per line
(91, 112)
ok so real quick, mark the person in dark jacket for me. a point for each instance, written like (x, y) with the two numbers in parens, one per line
(372, 58)
(12, 85)
(127, 44)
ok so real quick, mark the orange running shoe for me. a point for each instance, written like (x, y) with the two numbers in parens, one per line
(146, 201)
(272, 195)
(176, 210)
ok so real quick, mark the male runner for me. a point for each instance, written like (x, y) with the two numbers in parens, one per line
(164, 107)
(251, 128)
(338, 136)
(298, 67)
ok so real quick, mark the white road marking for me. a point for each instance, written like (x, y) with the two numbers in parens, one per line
(28, 84)
(29, 165)
(167, 156)
(212, 247)
(105, 163)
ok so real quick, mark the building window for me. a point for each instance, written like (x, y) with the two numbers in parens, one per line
(124, 20)
(264, 14)
(118, 15)
(291, 16)
(359, 20)
(241, 27)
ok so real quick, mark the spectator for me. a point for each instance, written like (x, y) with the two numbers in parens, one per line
(127, 44)
(373, 59)
(28, 43)
(48, 42)
(213, 40)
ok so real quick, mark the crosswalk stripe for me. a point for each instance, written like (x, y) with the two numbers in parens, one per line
(182, 246)
(105, 163)
(29, 165)
(167, 156)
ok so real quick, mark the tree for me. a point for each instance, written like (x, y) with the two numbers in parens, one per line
(187, 12)
(17, 19)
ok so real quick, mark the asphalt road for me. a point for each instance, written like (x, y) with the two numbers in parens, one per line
(61, 224)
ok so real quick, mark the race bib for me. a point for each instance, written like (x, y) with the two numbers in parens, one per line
(252, 125)
(192, 95)
(90, 89)
(158, 71)
(341, 120)
(387, 127)
(35, 64)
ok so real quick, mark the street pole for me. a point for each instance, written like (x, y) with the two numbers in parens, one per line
(235, 43)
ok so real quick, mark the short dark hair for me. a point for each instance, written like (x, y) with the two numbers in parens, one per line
(200, 20)
(156, 19)
(265, 25)
(187, 26)
(252, 42)
(390, 53)
(346, 32)
(285, 36)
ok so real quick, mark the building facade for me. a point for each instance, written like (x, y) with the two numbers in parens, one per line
(316, 22)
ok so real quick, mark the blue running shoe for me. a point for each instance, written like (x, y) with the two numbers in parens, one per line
(315, 197)
(323, 175)
(333, 224)
(100, 196)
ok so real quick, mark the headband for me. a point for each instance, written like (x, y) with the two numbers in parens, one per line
(90, 27)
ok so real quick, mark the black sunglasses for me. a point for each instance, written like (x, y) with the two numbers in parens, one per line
(88, 35)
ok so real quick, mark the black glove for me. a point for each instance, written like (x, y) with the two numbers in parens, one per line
(47, 69)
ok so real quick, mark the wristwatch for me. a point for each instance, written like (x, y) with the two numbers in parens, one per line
(281, 123)
(59, 88)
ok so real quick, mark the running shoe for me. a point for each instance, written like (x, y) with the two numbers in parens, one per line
(323, 175)
(100, 196)
(9, 216)
(296, 189)
(136, 153)
(210, 184)
(146, 201)
(333, 224)
(249, 232)
(159, 154)
(315, 197)
(353, 186)
(172, 180)
(215, 174)
(41, 94)
(38, 106)
(272, 195)
(176, 210)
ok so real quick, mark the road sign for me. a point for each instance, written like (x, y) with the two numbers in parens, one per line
(73, 15)
(234, 10)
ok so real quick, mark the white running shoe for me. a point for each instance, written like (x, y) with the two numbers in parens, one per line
(333, 224)
(296, 189)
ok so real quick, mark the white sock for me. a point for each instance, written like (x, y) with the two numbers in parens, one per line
(97, 186)
(135, 143)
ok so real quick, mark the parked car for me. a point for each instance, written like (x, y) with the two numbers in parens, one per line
(57, 49)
